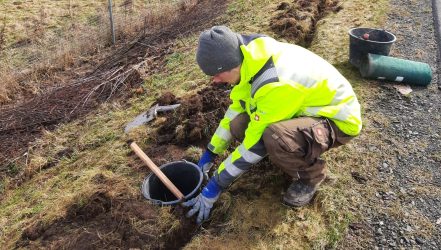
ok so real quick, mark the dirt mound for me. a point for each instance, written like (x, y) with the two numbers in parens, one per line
(196, 120)
(297, 21)
(106, 222)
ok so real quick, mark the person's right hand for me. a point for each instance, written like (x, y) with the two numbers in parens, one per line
(203, 203)
(206, 162)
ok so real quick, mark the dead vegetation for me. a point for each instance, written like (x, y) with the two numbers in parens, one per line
(46, 54)
(2, 34)
(114, 77)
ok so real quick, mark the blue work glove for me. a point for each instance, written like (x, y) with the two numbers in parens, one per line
(206, 162)
(204, 201)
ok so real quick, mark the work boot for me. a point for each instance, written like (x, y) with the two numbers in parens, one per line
(299, 194)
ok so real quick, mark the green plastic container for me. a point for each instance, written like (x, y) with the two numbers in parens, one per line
(395, 69)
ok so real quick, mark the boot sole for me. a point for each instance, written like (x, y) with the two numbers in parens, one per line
(296, 205)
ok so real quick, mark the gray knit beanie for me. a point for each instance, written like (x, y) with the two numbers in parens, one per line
(218, 50)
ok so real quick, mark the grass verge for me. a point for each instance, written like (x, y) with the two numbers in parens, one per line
(249, 215)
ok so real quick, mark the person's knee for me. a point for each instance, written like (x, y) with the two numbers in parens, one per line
(271, 140)
(293, 142)
(283, 153)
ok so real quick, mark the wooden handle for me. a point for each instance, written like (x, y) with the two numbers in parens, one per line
(157, 171)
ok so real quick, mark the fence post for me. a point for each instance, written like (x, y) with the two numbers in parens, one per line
(112, 28)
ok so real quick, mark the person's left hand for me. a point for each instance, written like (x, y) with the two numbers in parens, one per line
(204, 201)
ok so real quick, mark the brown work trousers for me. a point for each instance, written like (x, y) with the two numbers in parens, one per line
(295, 145)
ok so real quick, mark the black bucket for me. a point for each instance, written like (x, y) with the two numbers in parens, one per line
(186, 176)
(366, 40)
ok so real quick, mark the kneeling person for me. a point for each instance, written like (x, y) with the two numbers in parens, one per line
(287, 103)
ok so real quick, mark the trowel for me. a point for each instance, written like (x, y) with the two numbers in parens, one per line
(149, 115)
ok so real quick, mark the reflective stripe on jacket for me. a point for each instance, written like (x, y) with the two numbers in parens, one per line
(280, 81)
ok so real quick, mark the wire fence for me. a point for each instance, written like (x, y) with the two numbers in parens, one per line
(112, 77)
(55, 38)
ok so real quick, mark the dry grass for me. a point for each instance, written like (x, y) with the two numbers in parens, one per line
(249, 215)
(42, 47)
(9, 84)
(3, 34)
(51, 191)
(26, 20)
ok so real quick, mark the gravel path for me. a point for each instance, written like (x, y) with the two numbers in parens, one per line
(405, 208)
(416, 122)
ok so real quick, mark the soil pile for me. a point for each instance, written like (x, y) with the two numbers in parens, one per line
(196, 120)
(297, 21)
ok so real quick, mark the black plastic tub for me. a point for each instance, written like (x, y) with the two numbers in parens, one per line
(366, 40)
(186, 176)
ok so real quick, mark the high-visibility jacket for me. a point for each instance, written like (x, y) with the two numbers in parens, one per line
(280, 81)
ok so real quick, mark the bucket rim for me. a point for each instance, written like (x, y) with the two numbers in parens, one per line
(372, 29)
(144, 186)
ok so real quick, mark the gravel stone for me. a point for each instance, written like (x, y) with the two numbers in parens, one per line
(419, 240)
(379, 231)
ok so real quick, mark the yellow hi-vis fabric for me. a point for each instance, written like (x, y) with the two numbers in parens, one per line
(280, 81)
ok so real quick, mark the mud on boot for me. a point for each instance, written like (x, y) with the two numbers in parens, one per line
(299, 194)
